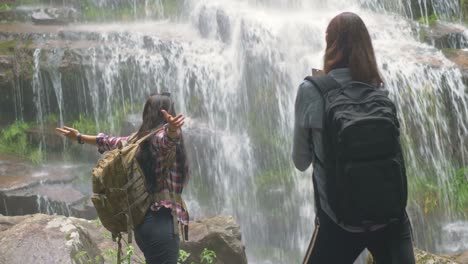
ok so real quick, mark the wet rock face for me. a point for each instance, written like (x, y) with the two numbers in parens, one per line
(444, 36)
(25, 189)
(460, 58)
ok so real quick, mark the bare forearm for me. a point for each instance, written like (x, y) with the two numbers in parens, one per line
(88, 139)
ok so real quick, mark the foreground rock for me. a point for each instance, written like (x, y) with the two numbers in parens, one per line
(60, 239)
(220, 234)
(423, 257)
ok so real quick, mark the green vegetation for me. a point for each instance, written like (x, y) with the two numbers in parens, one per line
(111, 256)
(460, 186)
(86, 125)
(124, 12)
(464, 8)
(429, 20)
(429, 194)
(183, 256)
(129, 11)
(172, 7)
(5, 7)
(14, 140)
(206, 257)
(8, 46)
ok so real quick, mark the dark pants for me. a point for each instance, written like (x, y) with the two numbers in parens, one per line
(155, 237)
(333, 245)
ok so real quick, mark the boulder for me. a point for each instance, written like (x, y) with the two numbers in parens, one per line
(54, 239)
(462, 257)
(60, 239)
(220, 234)
(423, 257)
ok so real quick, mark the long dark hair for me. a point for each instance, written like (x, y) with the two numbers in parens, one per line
(153, 119)
(349, 46)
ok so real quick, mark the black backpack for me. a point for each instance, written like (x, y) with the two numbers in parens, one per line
(363, 164)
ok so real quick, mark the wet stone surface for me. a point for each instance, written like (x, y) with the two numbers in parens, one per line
(50, 189)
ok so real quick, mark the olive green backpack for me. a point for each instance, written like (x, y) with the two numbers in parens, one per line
(120, 193)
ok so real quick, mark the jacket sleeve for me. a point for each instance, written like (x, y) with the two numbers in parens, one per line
(308, 111)
(105, 142)
(162, 143)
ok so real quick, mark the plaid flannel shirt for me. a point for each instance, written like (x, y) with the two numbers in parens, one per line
(162, 145)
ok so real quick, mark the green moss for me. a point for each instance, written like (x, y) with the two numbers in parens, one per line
(429, 20)
(8, 46)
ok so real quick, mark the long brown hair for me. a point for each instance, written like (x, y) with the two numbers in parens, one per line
(153, 119)
(349, 46)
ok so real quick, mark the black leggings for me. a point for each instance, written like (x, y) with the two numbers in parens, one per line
(155, 237)
(332, 244)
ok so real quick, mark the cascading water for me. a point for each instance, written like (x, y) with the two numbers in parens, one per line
(233, 68)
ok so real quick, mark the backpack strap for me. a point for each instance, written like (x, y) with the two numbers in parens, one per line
(324, 83)
(139, 141)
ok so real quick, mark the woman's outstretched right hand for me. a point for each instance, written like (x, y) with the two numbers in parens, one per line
(174, 123)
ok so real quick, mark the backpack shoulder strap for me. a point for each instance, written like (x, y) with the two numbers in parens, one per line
(324, 83)
(139, 141)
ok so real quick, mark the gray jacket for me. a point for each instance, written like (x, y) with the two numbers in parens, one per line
(309, 110)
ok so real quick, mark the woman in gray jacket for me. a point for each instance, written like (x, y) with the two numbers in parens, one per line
(349, 56)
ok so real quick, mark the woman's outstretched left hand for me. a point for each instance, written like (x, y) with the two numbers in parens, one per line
(68, 132)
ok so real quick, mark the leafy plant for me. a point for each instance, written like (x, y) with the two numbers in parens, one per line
(207, 256)
(183, 255)
(130, 251)
(5, 7)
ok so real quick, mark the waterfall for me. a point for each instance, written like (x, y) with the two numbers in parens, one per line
(233, 67)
